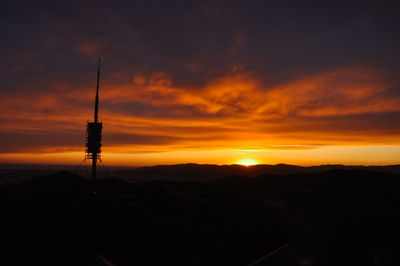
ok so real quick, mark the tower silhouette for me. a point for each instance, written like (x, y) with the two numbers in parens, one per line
(94, 135)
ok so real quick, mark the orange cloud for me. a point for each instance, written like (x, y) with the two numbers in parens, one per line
(151, 115)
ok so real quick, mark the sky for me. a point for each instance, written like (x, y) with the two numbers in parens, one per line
(208, 81)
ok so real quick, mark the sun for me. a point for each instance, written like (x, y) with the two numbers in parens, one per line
(247, 162)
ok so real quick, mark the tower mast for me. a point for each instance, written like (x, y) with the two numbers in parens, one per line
(94, 135)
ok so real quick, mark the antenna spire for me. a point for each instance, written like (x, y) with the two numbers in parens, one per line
(96, 105)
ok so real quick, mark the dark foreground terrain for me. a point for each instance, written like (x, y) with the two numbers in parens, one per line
(338, 217)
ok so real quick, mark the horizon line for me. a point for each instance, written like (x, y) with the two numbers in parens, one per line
(2, 164)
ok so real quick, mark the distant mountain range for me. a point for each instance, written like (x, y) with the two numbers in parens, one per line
(209, 172)
(14, 173)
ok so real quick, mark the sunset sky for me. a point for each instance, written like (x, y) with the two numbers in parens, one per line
(208, 81)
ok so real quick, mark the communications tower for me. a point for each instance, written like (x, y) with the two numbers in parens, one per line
(94, 135)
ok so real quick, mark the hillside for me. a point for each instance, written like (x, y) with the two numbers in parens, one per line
(337, 217)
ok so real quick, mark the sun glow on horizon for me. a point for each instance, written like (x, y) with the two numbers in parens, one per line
(121, 156)
(247, 162)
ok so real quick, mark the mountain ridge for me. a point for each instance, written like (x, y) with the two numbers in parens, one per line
(210, 172)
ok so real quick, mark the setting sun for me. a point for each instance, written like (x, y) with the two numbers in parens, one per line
(247, 162)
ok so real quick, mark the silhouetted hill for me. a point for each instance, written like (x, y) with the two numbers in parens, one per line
(58, 185)
(207, 173)
(12, 174)
(337, 217)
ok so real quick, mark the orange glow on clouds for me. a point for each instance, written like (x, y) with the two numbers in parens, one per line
(312, 120)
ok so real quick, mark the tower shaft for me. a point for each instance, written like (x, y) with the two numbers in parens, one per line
(94, 170)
